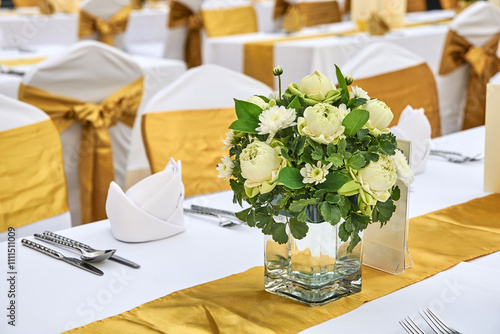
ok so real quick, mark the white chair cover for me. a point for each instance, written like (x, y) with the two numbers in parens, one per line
(15, 114)
(88, 71)
(202, 87)
(105, 9)
(477, 24)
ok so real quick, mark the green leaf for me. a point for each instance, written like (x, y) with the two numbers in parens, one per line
(353, 103)
(279, 233)
(247, 110)
(317, 154)
(387, 147)
(396, 194)
(332, 198)
(342, 85)
(306, 155)
(354, 121)
(290, 177)
(302, 216)
(243, 215)
(357, 161)
(330, 212)
(362, 133)
(244, 126)
(334, 181)
(336, 158)
(282, 201)
(299, 205)
(295, 104)
(384, 211)
(298, 229)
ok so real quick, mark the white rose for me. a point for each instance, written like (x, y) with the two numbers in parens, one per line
(380, 115)
(405, 174)
(258, 101)
(378, 178)
(316, 86)
(260, 166)
(323, 123)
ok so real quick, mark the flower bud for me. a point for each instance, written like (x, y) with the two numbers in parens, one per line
(277, 71)
(348, 79)
(316, 86)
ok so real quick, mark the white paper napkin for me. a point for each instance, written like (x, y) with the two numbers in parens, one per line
(414, 126)
(150, 210)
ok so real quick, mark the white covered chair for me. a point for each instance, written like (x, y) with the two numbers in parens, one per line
(472, 38)
(92, 89)
(104, 20)
(295, 14)
(33, 192)
(399, 78)
(188, 120)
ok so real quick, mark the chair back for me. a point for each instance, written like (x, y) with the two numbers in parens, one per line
(33, 192)
(399, 78)
(296, 14)
(189, 119)
(82, 83)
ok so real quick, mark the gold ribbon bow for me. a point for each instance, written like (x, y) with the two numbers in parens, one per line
(89, 24)
(96, 157)
(181, 15)
(314, 13)
(484, 63)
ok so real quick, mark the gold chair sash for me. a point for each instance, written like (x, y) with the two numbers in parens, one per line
(314, 13)
(89, 24)
(95, 164)
(238, 303)
(32, 182)
(484, 63)
(25, 3)
(181, 15)
(421, 5)
(230, 21)
(397, 91)
(192, 136)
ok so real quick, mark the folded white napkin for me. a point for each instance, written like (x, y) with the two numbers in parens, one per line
(414, 126)
(150, 210)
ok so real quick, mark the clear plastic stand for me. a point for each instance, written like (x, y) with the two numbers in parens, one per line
(386, 248)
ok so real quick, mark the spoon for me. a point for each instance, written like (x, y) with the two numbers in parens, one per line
(223, 222)
(86, 255)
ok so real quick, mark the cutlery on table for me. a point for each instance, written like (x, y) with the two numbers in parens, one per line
(86, 255)
(213, 210)
(437, 325)
(455, 157)
(113, 257)
(410, 326)
(223, 222)
(8, 70)
(58, 256)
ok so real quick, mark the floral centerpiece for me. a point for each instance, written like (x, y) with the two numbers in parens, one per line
(316, 155)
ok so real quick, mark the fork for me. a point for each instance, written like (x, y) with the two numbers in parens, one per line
(223, 222)
(455, 157)
(436, 324)
(410, 326)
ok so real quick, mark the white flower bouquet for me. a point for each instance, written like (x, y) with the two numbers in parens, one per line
(315, 145)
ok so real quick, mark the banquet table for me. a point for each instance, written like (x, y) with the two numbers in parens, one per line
(300, 54)
(53, 297)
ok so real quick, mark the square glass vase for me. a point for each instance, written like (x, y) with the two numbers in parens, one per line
(314, 270)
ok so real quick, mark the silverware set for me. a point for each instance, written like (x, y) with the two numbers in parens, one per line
(455, 157)
(8, 70)
(437, 325)
(226, 218)
(87, 254)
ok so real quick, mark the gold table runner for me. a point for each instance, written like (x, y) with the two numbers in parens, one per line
(258, 57)
(21, 61)
(239, 304)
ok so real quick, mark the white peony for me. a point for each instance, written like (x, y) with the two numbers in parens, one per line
(323, 123)
(380, 116)
(260, 166)
(358, 92)
(258, 101)
(405, 174)
(225, 168)
(316, 86)
(315, 174)
(377, 179)
(275, 119)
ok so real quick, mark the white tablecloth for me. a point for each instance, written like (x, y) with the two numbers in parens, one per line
(52, 296)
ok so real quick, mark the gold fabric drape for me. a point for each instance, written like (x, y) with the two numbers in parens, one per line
(21, 61)
(95, 165)
(180, 15)
(421, 5)
(484, 63)
(239, 304)
(192, 136)
(89, 24)
(230, 21)
(25, 3)
(397, 92)
(32, 182)
(314, 13)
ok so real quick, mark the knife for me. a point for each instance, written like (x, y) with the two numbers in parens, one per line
(114, 257)
(58, 256)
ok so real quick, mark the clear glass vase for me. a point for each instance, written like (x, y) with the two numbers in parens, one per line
(316, 269)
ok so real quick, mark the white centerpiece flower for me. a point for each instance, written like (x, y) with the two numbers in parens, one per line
(315, 174)
(377, 179)
(274, 119)
(323, 123)
(315, 88)
(225, 167)
(358, 92)
(260, 166)
(405, 174)
(380, 116)
(230, 140)
(258, 101)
